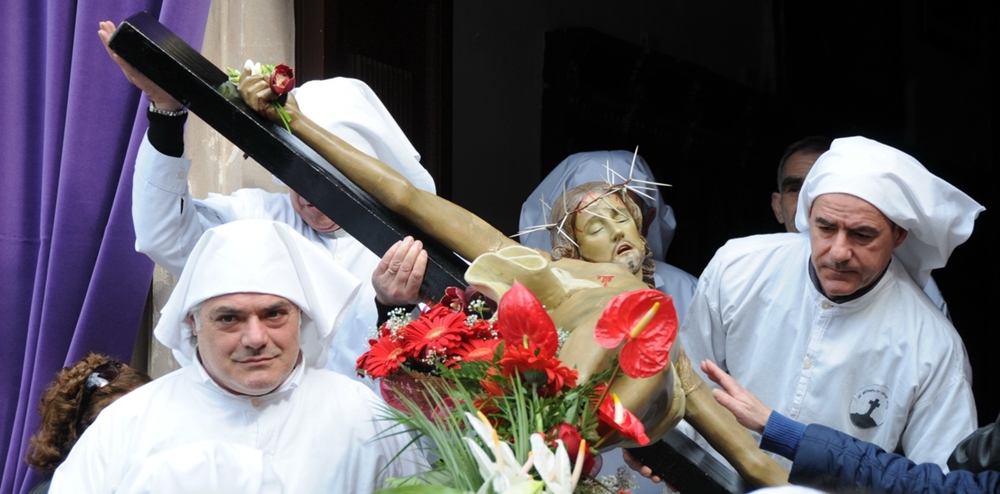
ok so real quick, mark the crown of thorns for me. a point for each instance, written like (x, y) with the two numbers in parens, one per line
(640, 187)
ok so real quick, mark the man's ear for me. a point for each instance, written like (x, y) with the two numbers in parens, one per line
(900, 235)
(776, 206)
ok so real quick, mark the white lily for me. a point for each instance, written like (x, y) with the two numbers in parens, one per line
(254, 68)
(503, 471)
(553, 466)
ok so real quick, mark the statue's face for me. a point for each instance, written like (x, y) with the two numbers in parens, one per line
(606, 232)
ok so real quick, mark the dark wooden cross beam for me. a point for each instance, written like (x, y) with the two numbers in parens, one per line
(198, 84)
(690, 469)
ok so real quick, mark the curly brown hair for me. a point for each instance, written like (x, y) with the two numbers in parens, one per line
(62, 420)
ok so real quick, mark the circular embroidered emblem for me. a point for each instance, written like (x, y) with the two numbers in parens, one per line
(869, 406)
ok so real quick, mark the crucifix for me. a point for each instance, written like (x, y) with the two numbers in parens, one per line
(205, 90)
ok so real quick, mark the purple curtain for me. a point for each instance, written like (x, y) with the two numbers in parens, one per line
(70, 279)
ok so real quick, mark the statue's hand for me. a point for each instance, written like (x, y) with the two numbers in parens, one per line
(256, 92)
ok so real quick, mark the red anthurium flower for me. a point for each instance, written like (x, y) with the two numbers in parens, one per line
(282, 79)
(571, 438)
(383, 359)
(521, 315)
(545, 372)
(436, 329)
(614, 414)
(647, 321)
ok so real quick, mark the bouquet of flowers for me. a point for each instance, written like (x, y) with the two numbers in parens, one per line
(460, 367)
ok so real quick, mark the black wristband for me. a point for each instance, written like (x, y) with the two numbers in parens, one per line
(166, 133)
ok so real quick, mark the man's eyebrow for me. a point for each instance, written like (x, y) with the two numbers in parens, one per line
(281, 304)
(791, 180)
(864, 229)
(225, 309)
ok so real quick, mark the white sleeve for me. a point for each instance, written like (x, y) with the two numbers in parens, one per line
(944, 413)
(167, 223)
(702, 334)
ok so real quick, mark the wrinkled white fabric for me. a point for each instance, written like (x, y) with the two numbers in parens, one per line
(350, 110)
(259, 256)
(218, 467)
(678, 284)
(580, 168)
(938, 216)
(890, 353)
(317, 431)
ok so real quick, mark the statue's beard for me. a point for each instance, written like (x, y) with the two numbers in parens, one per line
(631, 260)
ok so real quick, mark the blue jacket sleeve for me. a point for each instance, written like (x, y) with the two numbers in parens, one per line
(831, 460)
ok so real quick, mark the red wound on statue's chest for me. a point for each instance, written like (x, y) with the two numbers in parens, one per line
(605, 279)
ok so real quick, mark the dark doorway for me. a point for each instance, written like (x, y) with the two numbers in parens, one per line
(401, 50)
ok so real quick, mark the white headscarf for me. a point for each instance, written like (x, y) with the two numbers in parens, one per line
(215, 467)
(350, 110)
(938, 216)
(580, 168)
(260, 256)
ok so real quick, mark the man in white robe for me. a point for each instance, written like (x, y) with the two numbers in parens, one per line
(254, 310)
(168, 221)
(793, 167)
(832, 327)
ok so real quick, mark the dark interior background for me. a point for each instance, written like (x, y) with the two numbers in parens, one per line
(495, 94)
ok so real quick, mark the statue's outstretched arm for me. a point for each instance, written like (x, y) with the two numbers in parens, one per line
(455, 227)
(723, 432)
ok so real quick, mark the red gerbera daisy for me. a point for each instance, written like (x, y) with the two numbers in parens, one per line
(476, 349)
(535, 368)
(383, 359)
(436, 329)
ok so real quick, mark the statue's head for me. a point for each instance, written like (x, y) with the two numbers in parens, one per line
(600, 223)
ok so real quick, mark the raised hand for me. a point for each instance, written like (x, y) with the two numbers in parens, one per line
(398, 275)
(160, 98)
(750, 412)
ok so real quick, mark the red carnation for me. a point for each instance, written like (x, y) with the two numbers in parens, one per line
(282, 79)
